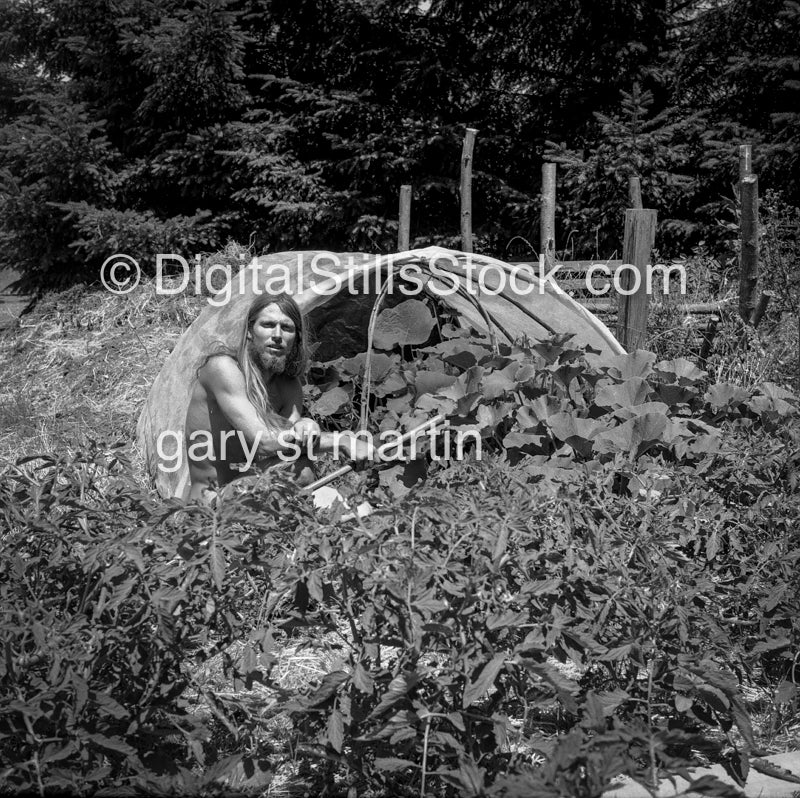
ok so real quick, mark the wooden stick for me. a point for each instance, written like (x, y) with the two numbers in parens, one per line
(745, 161)
(547, 224)
(431, 423)
(404, 223)
(635, 192)
(688, 309)
(708, 340)
(701, 308)
(466, 189)
(761, 308)
(572, 266)
(640, 233)
(340, 472)
(748, 255)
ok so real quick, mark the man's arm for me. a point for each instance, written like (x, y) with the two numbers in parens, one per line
(222, 377)
(307, 428)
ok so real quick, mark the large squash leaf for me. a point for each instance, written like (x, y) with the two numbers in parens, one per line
(410, 322)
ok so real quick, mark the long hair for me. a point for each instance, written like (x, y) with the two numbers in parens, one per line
(296, 359)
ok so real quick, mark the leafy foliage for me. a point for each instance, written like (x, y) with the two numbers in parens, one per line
(106, 610)
(546, 399)
(596, 185)
(292, 125)
(614, 568)
(52, 154)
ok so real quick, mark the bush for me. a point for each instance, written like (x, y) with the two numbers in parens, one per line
(103, 232)
(53, 154)
(109, 608)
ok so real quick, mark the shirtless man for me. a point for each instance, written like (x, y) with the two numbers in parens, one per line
(250, 402)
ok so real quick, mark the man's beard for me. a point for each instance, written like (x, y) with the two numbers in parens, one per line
(274, 364)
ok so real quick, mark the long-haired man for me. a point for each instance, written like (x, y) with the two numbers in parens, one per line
(247, 405)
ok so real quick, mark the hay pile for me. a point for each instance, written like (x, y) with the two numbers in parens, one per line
(79, 366)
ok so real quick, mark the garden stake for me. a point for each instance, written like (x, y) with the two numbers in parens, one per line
(431, 423)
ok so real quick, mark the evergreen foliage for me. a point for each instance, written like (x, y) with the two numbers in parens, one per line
(146, 125)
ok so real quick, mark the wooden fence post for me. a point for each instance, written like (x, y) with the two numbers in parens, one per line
(466, 190)
(404, 220)
(745, 161)
(635, 192)
(761, 307)
(547, 225)
(637, 246)
(748, 252)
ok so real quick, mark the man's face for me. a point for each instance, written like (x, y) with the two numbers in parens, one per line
(272, 338)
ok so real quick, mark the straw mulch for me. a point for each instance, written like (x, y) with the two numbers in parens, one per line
(79, 366)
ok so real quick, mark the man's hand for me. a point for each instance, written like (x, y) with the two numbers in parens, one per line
(306, 432)
(358, 448)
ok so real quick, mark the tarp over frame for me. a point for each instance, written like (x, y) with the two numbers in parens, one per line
(336, 293)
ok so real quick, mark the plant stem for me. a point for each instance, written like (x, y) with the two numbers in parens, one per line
(425, 757)
(653, 766)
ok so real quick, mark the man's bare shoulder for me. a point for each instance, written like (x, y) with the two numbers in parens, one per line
(220, 370)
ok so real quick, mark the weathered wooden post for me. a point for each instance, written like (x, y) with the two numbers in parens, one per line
(547, 225)
(745, 161)
(634, 303)
(761, 307)
(635, 192)
(748, 251)
(404, 220)
(466, 189)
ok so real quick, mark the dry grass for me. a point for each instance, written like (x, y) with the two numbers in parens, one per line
(742, 355)
(79, 366)
(739, 354)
